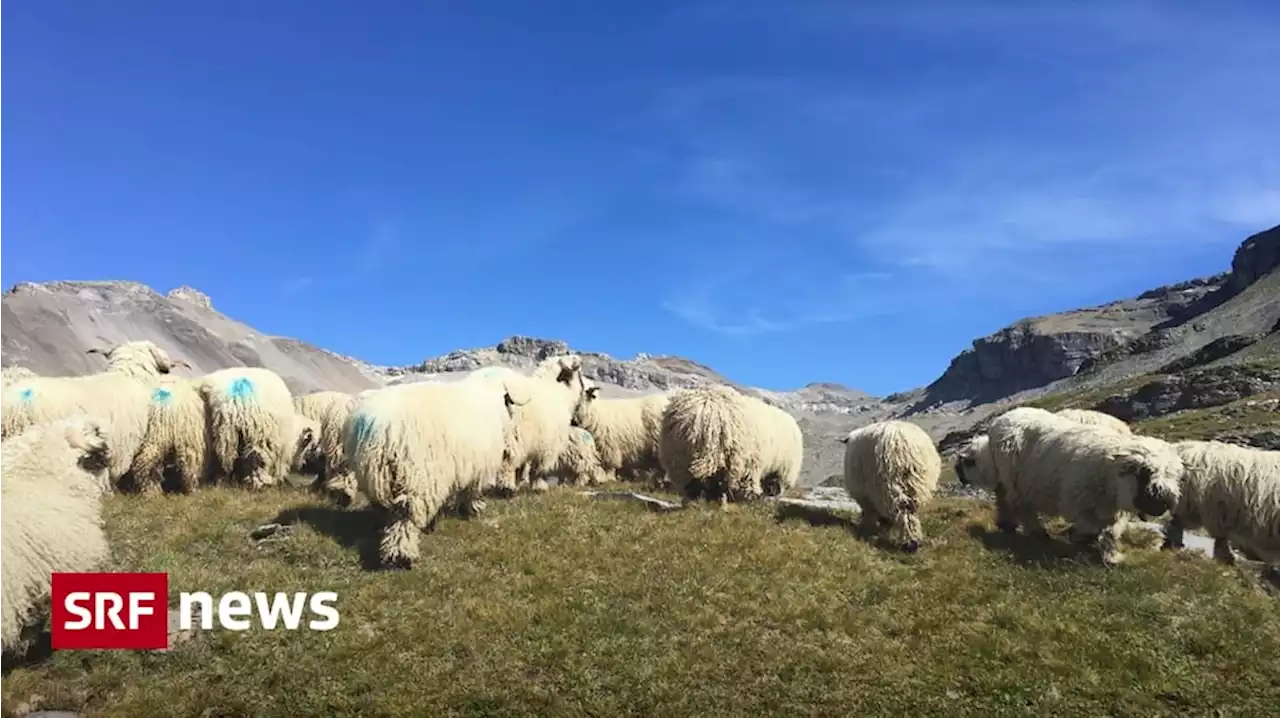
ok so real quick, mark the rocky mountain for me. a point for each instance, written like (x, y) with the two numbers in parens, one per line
(48, 328)
(1122, 338)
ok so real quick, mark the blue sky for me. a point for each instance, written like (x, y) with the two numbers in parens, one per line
(787, 191)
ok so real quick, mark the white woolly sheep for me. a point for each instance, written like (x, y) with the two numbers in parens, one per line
(177, 438)
(1089, 417)
(52, 516)
(891, 469)
(120, 397)
(541, 426)
(10, 374)
(414, 447)
(579, 463)
(973, 463)
(626, 431)
(1234, 493)
(1087, 474)
(251, 425)
(720, 444)
(330, 410)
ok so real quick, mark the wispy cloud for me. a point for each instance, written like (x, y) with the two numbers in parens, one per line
(1127, 127)
(296, 285)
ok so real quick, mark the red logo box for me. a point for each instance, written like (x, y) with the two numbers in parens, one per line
(96, 611)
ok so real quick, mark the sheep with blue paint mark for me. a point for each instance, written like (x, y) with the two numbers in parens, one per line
(177, 439)
(579, 462)
(626, 431)
(52, 517)
(329, 409)
(541, 427)
(119, 396)
(252, 426)
(415, 447)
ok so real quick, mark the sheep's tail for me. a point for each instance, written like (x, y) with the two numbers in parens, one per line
(711, 427)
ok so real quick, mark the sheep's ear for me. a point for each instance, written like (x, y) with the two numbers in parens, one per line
(161, 358)
(308, 435)
(98, 350)
(593, 392)
(844, 439)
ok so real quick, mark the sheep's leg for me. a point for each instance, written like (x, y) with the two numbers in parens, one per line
(470, 505)
(398, 548)
(1109, 542)
(869, 520)
(341, 488)
(537, 482)
(1031, 523)
(1222, 550)
(1173, 534)
(906, 524)
(1006, 518)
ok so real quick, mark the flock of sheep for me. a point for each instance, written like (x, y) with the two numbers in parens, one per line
(414, 449)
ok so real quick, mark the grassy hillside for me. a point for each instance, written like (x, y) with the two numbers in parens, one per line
(562, 605)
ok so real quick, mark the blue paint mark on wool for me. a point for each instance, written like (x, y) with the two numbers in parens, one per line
(586, 436)
(240, 388)
(27, 395)
(363, 428)
(161, 396)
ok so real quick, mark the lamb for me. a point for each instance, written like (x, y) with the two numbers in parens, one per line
(579, 462)
(541, 426)
(1089, 417)
(120, 397)
(330, 410)
(720, 444)
(52, 516)
(891, 469)
(414, 447)
(10, 374)
(1234, 493)
(626, 431)
(251, 425)
(1090, 475)
(177, 435)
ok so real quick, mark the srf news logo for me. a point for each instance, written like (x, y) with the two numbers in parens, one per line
(131, 610)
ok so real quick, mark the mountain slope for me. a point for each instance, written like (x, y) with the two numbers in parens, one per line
(48, 328)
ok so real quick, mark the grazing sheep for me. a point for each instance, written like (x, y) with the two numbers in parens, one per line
(1234, 493)
(973, 463)
(251, 425)
(10, 374)
(891, 469)
(626, 431)
(541, 427)
(330, 409)
(720, 444)
(1090, 417)
(304, 450)
(579, 463)
(120, 397)
(177, 436)
(52, 516)
(1090, 475)
(415, 447)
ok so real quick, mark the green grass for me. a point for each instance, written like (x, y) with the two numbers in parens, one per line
(1089, 397)
(561, 605)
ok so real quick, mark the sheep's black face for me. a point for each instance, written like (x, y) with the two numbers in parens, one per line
(1148, 501)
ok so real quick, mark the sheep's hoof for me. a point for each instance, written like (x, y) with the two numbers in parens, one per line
(398, 563)
(1007, 527)
(911, 546)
